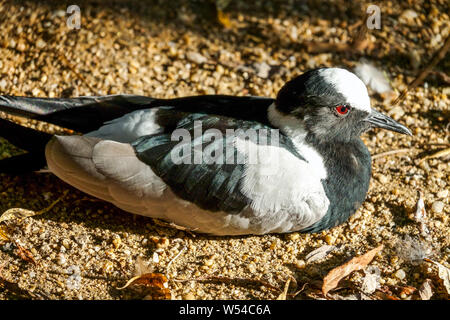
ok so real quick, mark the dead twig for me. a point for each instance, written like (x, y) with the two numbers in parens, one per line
(442, 75)
(388, 153)
(438, 154)
(293, 295)
(360, 41)
(283, 295)
(69, 65)
(437, 57)
(176, 257)
(319, 47)
(3, 235)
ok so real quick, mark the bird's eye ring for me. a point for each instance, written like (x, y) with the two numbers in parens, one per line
(342, 110)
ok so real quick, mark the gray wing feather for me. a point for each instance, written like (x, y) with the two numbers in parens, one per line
(105, 169)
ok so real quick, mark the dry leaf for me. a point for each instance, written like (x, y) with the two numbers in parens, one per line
(408, 290)
(156, 282)
(16, 213)
(319, 253)
(149, 279)
(426, 290)
(386, 294)
(24, 254)
(444, 274)
(332, 279)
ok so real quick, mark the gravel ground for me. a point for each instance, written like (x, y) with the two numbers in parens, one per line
(86, 248)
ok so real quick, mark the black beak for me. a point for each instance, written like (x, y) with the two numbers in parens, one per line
(379, 120)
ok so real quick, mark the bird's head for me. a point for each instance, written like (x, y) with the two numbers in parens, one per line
(332, 104)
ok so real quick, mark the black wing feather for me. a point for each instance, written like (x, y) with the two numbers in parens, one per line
(213, 187)
(85, 114)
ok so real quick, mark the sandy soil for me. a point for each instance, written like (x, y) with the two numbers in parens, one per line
(86, 248)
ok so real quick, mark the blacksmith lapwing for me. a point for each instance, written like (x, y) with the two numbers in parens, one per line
(215, 164)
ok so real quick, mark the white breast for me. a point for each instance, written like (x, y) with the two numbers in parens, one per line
(286, 192)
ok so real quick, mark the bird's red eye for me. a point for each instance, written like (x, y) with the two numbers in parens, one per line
(342, 109)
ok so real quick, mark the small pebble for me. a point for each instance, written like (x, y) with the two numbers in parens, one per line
(107, 267)
(155, 257)
(188, 296)
(396, 113)
(329, 239)
(209, 262)
(66, 244)
(196, 57)
(40, 43)
(442, 193)
(61, 259)
(400, 274)
(383, 179)
(163, 243)
(273, 245)
(294, 236)
(300, 264)
(438, 206)
(117, 242)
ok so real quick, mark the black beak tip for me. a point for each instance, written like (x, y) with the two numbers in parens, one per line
(408, 132)
(402, 129)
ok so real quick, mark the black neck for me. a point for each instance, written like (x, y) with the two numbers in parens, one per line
(348, 168)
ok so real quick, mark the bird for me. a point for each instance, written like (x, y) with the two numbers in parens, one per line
(214, 164)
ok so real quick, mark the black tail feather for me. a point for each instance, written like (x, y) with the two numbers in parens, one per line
(82, 114)
(25, 138)
(23, 163)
